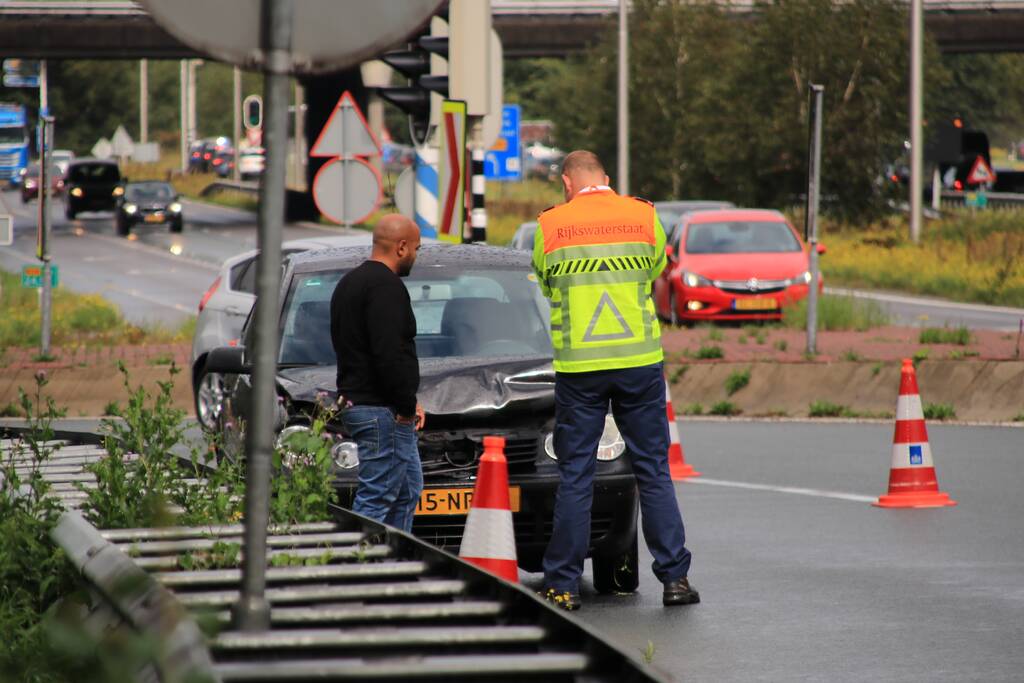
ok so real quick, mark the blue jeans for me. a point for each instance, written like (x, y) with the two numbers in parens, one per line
(637, 398)
(390, 473)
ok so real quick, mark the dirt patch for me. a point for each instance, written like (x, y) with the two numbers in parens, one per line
(990, 391)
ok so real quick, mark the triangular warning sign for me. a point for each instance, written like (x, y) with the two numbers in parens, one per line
(623, 331)
(981, 172)
(346, 133)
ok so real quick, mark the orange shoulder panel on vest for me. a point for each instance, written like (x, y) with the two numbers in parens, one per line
(598, 219)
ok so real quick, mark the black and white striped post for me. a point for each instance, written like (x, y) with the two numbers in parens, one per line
(478, 185)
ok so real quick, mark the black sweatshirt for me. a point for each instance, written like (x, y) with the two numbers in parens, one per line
(374, 334)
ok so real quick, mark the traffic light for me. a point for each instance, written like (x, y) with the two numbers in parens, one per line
(252, 112)
(424, 63)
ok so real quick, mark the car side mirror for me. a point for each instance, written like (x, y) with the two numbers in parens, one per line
(670, 252)
(821, 249)
(227, 360)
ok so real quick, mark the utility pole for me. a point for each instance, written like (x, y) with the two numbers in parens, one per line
(143, 101)
(193, 133)
(252, 611)
(184, 115)
(811, 229)
(300, 157)
(236, 119)
(46, 295)
(916, 116)
(623, 127)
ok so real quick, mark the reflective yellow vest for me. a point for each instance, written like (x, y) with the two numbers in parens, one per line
(596, 257)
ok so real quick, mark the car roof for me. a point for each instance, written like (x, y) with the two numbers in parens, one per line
(692, 204)
(735, 215)
(430, 254)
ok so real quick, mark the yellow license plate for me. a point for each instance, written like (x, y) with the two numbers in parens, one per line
(756, 304)
(155, 218)
(456, 501)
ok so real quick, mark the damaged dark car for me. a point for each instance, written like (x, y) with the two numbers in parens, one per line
(485, 363)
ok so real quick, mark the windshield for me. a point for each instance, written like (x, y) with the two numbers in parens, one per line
(460, 312)
(740, 237)
(10, 135)
(148, 192)
(94, 173)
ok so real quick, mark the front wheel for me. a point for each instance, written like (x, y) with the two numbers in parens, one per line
(177, 225)
(618, 573)
(673, 310)
(209, 398)
(69, 213)
(121, 226)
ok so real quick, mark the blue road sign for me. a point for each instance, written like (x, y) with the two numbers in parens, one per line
(19, 81)
(32, 276)
(504, 160)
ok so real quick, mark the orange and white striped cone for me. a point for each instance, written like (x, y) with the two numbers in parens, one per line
(912, 481)
(677, 465)
(489, 539)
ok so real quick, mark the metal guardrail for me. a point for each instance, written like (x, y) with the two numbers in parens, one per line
(230, 185)
(375, 604)
(994, 199)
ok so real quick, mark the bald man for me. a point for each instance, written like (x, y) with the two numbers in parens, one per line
(374, 334)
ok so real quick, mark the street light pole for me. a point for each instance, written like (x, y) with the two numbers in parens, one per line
(143, 101)
(252, 612)
(236, 125)
(184, 115)
(623, 127)
(811, 230)
(916, 116)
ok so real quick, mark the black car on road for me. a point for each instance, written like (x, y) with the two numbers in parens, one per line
(92, 185)
(149, 202)
(486, 367)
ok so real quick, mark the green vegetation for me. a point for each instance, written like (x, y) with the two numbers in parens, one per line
(781, 345)
(943, 335)
(851, 356)
(648, 652)
(165, 359)
(1019, 417)
(920, 355)
(693, 409)
(726, 408)
(939, 411)
(829, 409)
(677, 373)
(706, 352)
(877, 368)
(714, 334)
(838, 313)
(959, 354)
(77, 319)
(736, 381)
(11, 410)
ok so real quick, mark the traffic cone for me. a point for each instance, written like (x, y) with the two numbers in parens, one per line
(489, 540)
(912, 482)
(677, 465)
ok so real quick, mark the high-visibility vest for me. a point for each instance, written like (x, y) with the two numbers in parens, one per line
(596, 258)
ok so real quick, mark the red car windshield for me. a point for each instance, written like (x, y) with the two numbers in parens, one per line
(740, 237)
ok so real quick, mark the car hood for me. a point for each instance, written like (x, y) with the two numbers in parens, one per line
(776, 266)
(473, 387)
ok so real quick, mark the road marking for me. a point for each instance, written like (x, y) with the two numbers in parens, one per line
(898, 299)
(181, 308)
(817, 493)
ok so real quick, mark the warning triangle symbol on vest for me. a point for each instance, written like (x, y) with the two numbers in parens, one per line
(624, 331)
(980, 172)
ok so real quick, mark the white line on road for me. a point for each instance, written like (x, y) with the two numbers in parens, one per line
(152, 300)
(817, 493)
(915, 301)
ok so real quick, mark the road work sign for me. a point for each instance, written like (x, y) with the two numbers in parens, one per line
(32, 276)
(346, 189)
(981, 173)
(451, 171)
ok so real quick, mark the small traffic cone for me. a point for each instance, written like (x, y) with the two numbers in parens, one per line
(912, 482)
(489, 540)
(677, 465)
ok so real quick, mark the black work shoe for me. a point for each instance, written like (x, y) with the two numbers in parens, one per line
(563, 599)
(679, 592)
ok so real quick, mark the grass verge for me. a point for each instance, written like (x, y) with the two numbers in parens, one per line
(838, 313)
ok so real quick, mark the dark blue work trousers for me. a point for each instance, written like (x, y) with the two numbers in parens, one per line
(637, 398)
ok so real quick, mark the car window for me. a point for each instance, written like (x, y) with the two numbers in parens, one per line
(243, 276)
(740, 237)
(143, 192)
(460, 312)
(94, 173)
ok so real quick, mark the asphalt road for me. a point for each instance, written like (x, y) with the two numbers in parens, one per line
(155, 277)
(915, 310)
(819, 585)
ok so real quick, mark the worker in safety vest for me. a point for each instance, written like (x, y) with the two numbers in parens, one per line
(595, 257)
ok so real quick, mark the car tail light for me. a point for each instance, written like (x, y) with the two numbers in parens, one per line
(957, 185)
(207, 155)
(209, 293)
(218, 162)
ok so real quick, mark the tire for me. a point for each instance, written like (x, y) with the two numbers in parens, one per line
(69, 213)
(176, 226)
(209, 399)
(121, 227)
(618, 573)
(673, 310)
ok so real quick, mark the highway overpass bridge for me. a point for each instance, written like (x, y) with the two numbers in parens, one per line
(118, 29)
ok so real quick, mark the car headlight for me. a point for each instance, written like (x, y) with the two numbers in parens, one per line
(345, 455)
(288, 456)
(695, 280)
(804, 277)
(76, 192)
(174, 207)
(610, 447)
(118, 191)
(130, 208)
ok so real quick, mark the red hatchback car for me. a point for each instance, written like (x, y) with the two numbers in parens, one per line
(732, 264)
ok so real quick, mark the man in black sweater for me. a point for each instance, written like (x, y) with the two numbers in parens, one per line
(373, 330)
